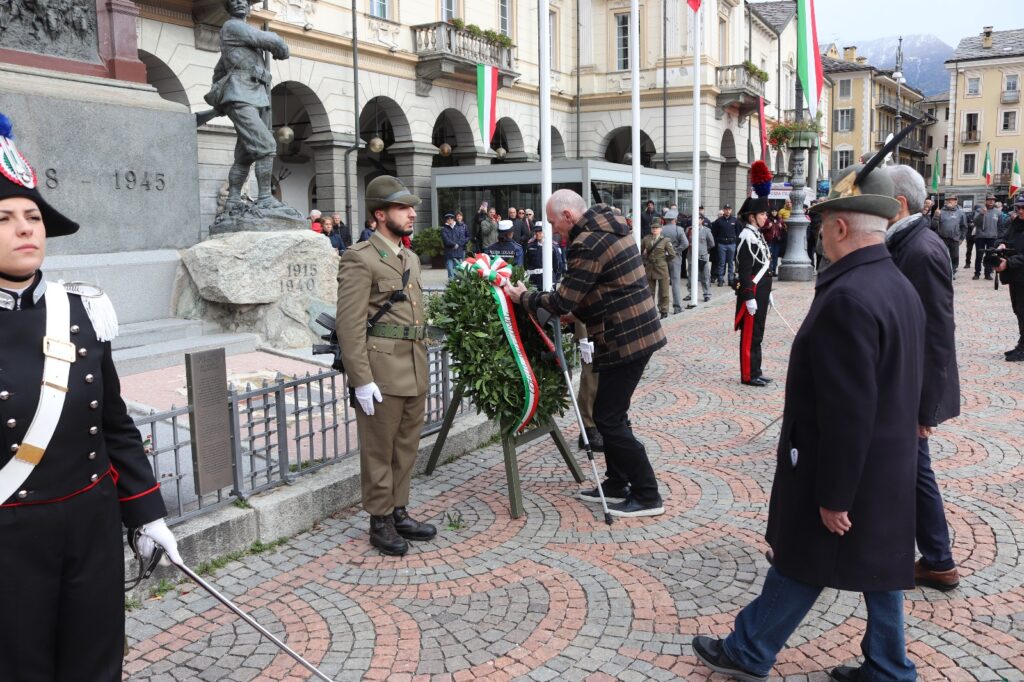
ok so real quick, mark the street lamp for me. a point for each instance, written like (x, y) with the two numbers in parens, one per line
(897, 76)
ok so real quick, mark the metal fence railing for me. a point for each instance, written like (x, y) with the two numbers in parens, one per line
(280, 430)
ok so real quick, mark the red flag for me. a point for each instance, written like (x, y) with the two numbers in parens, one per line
(764, 128)
(694, 4)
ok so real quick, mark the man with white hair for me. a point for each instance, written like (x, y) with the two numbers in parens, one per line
(605, 288)
(923, 259)
(842, 504)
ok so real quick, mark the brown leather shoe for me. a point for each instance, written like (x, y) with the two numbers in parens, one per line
(939, 580)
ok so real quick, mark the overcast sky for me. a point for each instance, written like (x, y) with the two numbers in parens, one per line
(847, 21)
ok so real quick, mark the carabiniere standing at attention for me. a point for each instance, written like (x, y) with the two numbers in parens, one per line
(72, 464)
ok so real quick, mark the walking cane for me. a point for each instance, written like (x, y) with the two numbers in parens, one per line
(249, 619)
(546, 317)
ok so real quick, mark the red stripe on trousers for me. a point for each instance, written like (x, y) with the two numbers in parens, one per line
(745, 342)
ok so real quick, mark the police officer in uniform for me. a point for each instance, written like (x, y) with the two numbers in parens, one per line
(753, 289)
(72, 464)
(386, 361)
(506, 246)
(534, 258)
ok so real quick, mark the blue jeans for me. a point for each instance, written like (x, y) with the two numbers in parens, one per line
(932, 531)
(449, 264)
(776, 250)
(726, 257)
(765, 624)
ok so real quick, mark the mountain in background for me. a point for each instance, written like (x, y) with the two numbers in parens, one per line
(923, 57)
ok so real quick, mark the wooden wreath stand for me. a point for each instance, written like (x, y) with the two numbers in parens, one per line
(509, 443)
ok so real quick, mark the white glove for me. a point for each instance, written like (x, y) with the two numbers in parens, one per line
(751, 307)
(366, 395)
(771, 300)
(156, 534)
(586, 350)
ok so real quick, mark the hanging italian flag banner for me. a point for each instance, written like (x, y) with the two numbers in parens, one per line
(486, 99)
(935, 173)
(986, 169)
(807, 56)
(1015, 179)
(694, 4)
(496, 272)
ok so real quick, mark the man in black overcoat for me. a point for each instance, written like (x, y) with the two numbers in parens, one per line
(923, 259)
(842, 505)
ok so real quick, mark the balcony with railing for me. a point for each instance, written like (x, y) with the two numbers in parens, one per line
(445, 49)
(739, 88)
(908, 144)
(1009, 97)
(885, 101)
(970, 136)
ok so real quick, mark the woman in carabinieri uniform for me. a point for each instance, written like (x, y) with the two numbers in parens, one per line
(72, 465)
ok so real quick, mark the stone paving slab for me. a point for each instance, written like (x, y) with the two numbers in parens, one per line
(558, 595)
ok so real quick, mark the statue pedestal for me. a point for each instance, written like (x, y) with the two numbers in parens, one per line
(796, 266)
(252, 218)
(270, 283)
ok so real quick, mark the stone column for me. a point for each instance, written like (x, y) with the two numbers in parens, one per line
(413, 163)
(796, 266)
(329, 166)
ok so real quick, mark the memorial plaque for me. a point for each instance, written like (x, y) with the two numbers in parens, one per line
(61, 28)
(207, 378)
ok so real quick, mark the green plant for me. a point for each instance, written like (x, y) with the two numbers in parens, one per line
(217, 563)
(131, 603)
(454, 520)
(161, 588)
(427, 242)
(241, 504)
(491, 35)
(504, 40)
(474, 30)
(755, 71)
(482, 358)
(459, 24)
(782, 133)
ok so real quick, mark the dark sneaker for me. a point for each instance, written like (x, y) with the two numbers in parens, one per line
(988, 277)
(710, 652)
(845, 673)
(611, 495)
(976, 276)
(1016, 356)
(630, 507)
(944, 581)
(1012, 351)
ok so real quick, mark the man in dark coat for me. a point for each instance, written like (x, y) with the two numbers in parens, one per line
(605, 288)
(726, 231)
(1011, 273)
(923, 259)
(842, 505)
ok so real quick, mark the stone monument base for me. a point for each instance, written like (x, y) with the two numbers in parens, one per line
(796, 272)
(270, 283)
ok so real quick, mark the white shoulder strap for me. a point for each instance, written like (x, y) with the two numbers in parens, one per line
(60, 353)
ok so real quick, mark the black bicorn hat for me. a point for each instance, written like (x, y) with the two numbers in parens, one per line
(18, 179)
(753, 205)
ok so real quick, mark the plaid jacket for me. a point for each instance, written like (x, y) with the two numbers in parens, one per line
(605, 287)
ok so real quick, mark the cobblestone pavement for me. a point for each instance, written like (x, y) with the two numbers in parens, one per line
(559, 595)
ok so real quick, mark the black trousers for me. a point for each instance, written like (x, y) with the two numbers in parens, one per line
(980, 244)
(624, 455)
(1017, 301)
(970, 248)
(954, 253)
(62, 589)
(932, 530)
(752, 330)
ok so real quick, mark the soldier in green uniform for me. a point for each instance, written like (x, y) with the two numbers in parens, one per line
(657, 253)
(385, 356)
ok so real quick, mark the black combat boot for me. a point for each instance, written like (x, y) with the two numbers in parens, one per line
(411, 529)
(384, 537)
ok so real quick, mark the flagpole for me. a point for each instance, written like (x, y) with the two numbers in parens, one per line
(634, 68)
(695, 202)
(543, 11)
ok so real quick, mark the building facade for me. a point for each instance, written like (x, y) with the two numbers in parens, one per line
(985, 75)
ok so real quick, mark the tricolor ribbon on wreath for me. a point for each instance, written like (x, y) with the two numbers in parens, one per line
(496, 272)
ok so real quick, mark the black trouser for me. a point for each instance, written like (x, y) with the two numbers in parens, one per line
(980, 244)
(932, 529)
(624, 455)
(970, 247)
(752, 330)
(1017, 301)
(62, 589)
(954, 253)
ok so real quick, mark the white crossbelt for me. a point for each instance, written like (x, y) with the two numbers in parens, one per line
(60, 353)
(538, 271)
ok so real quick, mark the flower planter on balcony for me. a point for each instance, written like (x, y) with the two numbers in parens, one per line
(446, 50)
(739, 88)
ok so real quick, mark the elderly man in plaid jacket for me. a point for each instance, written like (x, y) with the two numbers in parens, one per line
(605, 288)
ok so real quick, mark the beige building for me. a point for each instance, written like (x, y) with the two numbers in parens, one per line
(985, 75)
(416, 91)
(868, 105)
(936, 135)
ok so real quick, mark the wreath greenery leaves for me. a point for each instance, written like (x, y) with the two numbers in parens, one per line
(481, 355)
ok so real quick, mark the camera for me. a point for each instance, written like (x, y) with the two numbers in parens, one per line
(991, 257)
